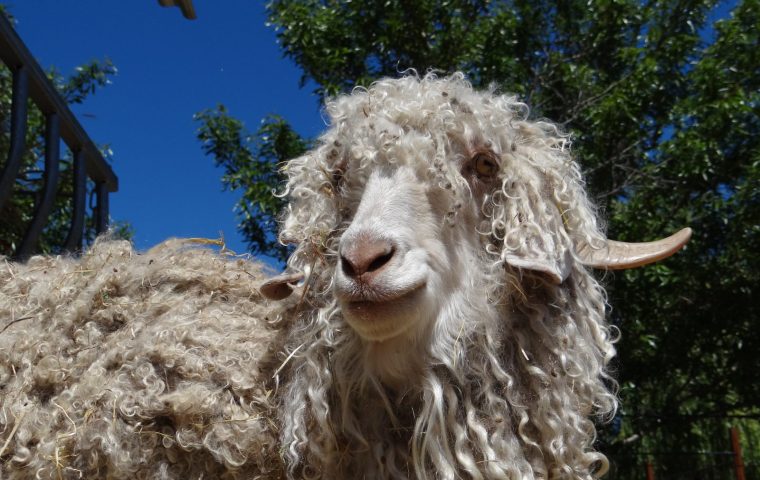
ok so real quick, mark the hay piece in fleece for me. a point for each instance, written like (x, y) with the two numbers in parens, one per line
(127, 365)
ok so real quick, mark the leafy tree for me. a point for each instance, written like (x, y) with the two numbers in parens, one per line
(18, 211)
(251, 163)
(663, 100)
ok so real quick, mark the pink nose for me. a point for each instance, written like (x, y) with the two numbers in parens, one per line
(365, 255)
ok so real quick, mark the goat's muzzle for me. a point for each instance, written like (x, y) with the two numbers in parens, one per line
(365, 256)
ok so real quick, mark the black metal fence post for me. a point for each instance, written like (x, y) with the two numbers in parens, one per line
(19, 97)
(101, 210)
(78, 202)
(44, 202)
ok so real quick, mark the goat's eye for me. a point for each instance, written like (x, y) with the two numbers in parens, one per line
(485, 166)
(337, 174)
(337, 177)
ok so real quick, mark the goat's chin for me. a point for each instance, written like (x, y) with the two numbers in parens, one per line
(383, 320)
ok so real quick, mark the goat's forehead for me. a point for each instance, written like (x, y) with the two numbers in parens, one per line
(434, 126)
(411, 104)
(383, 129)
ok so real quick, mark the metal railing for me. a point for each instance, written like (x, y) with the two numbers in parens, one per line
(30, 81)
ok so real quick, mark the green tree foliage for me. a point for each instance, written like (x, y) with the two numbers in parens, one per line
(663, 101)
(17, 213)
(252, 164)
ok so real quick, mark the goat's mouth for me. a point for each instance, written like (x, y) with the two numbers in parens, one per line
(367, 295)
(371, 300)
(380, 315)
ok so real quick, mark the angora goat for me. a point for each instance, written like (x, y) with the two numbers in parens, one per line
(444, 323)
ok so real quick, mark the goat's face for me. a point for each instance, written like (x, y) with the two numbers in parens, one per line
(406, 196)
(427, 202)
(415, 195)
(385, 278)
(406, 250)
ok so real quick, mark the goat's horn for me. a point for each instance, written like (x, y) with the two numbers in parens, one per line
(621, 255)
(280, 287)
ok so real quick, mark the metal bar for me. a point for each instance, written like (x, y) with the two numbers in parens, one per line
(13, 52)
(736, 446)
(101, 210)
(49, 186)
(18, 133)
(78, 202)
(650, 471)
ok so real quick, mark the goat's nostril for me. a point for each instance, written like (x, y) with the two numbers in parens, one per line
(348, 269)
(381, 260)
(366, 256)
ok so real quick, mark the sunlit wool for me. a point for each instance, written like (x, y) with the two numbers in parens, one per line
(125, 365)
(504, 367)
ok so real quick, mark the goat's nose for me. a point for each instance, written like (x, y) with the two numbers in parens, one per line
(365, 254)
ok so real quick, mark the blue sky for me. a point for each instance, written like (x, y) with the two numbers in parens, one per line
(169, 69)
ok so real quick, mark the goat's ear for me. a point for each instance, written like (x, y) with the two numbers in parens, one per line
(281, 286)
(556, 270)
(539, 247)
(529, 222)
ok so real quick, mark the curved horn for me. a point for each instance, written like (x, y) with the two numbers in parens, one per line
(621, 255)
(279, 287)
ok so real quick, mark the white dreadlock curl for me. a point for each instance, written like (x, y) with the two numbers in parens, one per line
(504, 381)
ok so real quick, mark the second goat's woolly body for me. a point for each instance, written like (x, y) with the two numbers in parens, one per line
(119, 365)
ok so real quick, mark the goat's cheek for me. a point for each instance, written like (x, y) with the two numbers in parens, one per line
(439, 201)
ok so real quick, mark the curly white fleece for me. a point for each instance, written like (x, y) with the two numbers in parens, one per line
(126, 365)
(515, 365)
